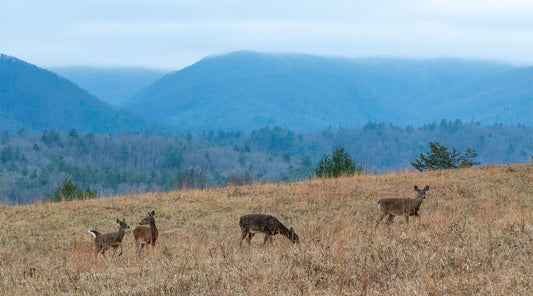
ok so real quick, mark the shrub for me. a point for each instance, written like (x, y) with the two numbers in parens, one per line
(338, 164)
(67, 191)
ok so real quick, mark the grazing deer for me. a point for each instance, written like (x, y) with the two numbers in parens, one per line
(254, 223)
(401, 206)
(102, 242)
(146, 233)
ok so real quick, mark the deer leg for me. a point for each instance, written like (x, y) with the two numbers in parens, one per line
(267, 237)
(390, 219)
(244, 233)
(379, 219)
(140, 247)
(407, 218)
(120, 250)
(250, 236)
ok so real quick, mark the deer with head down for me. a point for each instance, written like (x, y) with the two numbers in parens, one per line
(260, 223)
(102, 242)
(401, 206)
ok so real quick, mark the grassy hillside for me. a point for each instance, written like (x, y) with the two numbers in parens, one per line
(476, 237)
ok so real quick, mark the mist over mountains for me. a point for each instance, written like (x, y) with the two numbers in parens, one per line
(112, 85)
(248, 90)
(250, 117)
(36, 99)
(244, 91)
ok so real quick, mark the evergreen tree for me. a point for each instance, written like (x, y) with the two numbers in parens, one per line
(69, 191)
(338, 164)
(440, 158)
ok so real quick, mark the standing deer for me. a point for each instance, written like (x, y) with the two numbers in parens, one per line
(146, 233)
(254, 223)
(102, 242)
(401, 206)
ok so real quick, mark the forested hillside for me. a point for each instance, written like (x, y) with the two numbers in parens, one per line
(32, 164)
(249, 90)
(36, 99)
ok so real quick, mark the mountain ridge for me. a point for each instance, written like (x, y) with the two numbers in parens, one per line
(36, 99)
(111, 85)
(248, 90)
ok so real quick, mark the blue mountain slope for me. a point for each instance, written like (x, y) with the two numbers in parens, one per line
(506, 97)
(37, 99)
(248, 90)
(111, 85)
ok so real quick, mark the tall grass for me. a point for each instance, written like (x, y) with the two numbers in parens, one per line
(475, 237)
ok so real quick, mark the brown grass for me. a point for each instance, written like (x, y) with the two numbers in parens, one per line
(476, 237)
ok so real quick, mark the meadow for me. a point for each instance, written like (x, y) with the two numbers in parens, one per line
(475, 237)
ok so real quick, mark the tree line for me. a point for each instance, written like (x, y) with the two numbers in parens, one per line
(32, 165)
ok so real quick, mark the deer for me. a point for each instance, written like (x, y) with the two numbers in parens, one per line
(146, 233)
(401, 207)
(260, 223)
(102, 242)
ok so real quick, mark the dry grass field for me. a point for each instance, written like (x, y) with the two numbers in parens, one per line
(475, 238)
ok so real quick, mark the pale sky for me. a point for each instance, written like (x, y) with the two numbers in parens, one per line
(174, 34)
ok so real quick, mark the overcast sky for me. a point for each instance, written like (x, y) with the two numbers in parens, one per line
(174, 34)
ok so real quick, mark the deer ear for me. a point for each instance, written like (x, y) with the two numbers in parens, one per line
(291, 230)
(416, 188)
(118, 221)
(153, 213)
(427, 187)
(124, 220)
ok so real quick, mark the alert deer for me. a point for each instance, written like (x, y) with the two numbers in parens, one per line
(255, 223)
(146, 233)
(401, 206)
(102, 242)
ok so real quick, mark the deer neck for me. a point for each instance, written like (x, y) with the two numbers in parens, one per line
(283, 230)
(121, 233)
(153, 229)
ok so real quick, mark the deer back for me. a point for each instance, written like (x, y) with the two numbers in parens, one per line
(266, 224)
(262, 223)
(402, 206)
(113, 238)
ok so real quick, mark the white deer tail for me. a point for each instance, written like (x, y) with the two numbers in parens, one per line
(92, 232)
(378, 205)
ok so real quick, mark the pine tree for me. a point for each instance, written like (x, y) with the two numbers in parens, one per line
(338, 164)
(440, 158)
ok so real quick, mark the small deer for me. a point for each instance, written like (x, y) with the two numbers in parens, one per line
(255, 223)
(401, 206)
(146, 233)
(102, 242)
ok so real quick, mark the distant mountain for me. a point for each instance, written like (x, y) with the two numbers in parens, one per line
(505, 97)
(37, 99)
(112, 85)
(248, 90)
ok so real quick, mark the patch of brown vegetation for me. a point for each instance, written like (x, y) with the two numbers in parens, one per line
(476, 237)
